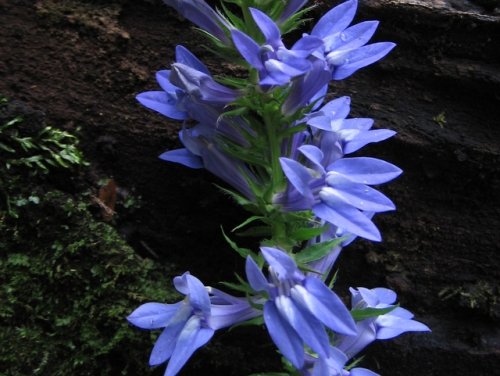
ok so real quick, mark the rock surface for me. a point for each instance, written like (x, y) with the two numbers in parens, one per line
(439, 90)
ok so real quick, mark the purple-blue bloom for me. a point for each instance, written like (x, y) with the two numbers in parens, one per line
(298, 307)
(308, 88)
(202, 151)
(202, 15)
(338, 192)
(386, 326)
(276, 64)
(188, 90)
(191, 323)
(344, 47)
(349, 134)
(335, 188)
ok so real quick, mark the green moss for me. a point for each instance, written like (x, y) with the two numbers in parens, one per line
(67, 283)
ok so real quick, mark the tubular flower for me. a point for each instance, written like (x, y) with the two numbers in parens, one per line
(338, 192)
(386, 326)
(200, 13)
(276, 64)
(344, 47)
(349, 134)
(202, 151)
(189, 324)
(188, 90)
(298, 307)
(335, 188)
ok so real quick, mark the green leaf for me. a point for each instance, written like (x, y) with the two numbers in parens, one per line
(6, 148)
(246, 222)
(236, 287)
(366, 313)
(257, 231)
(238, 198)
(317, 251)
(243, 252)
(307, 233)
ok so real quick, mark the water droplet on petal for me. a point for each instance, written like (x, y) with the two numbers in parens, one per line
(343, 37)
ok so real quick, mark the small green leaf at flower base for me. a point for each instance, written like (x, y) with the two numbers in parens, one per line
(243, 252)
(317, 251)
(367, 313)
(306, 233)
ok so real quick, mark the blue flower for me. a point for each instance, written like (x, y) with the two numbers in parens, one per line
(308, 88)
(200, 13)
(276, 64)
(338, 192)
(202, 150)
(344, 47)
(386, 326)
(188, 91)
(191, 323)
(298, 307)
(350, 134)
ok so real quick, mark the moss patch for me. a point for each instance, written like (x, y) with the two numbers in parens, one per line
(67, 282)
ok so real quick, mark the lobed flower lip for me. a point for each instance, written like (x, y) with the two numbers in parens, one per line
(190, 323)
(345, 48)
(337, 189)
(188, 91)
(299, 306)
(276, 64)
(389, 325)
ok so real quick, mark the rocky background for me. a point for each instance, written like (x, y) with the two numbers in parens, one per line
(78, 64)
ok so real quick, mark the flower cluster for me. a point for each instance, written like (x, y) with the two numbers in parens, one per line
(287, 157)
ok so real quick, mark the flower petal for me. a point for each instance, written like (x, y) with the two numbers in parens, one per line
(365, 170)
(362, 372)
(161, 102)
(267, 26)
(352, 345)
(163, 78)
(182, 156)
(352, 37)
(338, 108)
(165, 344)
(186, 57)
(355, 194)
(282, 264)
(284, 336)
(384, 295)
(359, 58)
(336, 19)
(248, 48)
(305, 324)
(314, 154)
(191, 338)
(349, 219)
(389, 326)
(324, 304)
(198, 295)
(254, 275)
(352, 144)
(298, 176)
(153, 315)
